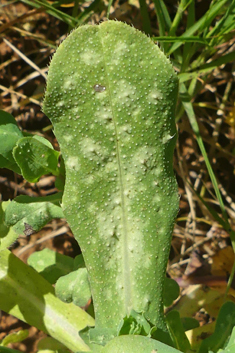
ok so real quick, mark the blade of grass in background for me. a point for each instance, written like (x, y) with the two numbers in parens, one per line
(75, 11)
(145, 17)
(186, 101)
(226, 23)
(180, 11)
(163, 19)
(230, 57)
(207, 68)
(209, 208)
(189, 48)
(70, 20)
(202, 24)
(84, 16)
(109, 7)
(51, 10)
(190, 39)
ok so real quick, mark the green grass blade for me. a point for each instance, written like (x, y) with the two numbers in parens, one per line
(209, 208)
(88, 12)
(51, 10)
(201, 24)
(75, 11)
(109, 7)
(180, 10)
(189, 48)
(227, 19)
(145, 17)
(163, 18)
(162, 11)
(185, 98)
(230, 57)
(190, 39)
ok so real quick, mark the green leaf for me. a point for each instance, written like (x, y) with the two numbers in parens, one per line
(177, 331)
(189, 323)
(8, 350)
(74, 288)
(60, 180)
(223, 329)
(171, 291)
(9, 135)
(50, 264)
(33, 211)
(51, 345)
(15, 337)
(79, 262)
(101, 336)
(36, 157)
(134, 343)
(134, 324)
(230, 347)
(116, 132)
(7, 234)
(29, 297)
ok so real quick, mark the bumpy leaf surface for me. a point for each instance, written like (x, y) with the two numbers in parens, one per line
(111, 97)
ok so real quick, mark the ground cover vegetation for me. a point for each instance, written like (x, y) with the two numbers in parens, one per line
(198, 296)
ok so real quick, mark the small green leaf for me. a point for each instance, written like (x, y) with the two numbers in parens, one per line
(3, 227)
(135, 324)
(8, 350)
(134, 344)
(223, 328)
(49, 344)
(34, 211)
(60, 180)
(15, 337)
(171, 291)
(100, 336)
(177, 331)
(78, 262)
(74, 287)
(189, 323)
(7, 234)
(50, 264)
(230, 348)
(9, 135)
(36, 157)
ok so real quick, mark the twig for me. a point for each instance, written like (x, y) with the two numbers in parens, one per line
(53, 234)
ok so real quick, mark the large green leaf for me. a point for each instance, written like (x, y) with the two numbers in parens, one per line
(111, 97)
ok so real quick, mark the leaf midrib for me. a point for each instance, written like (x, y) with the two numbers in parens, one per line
(125, 260)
